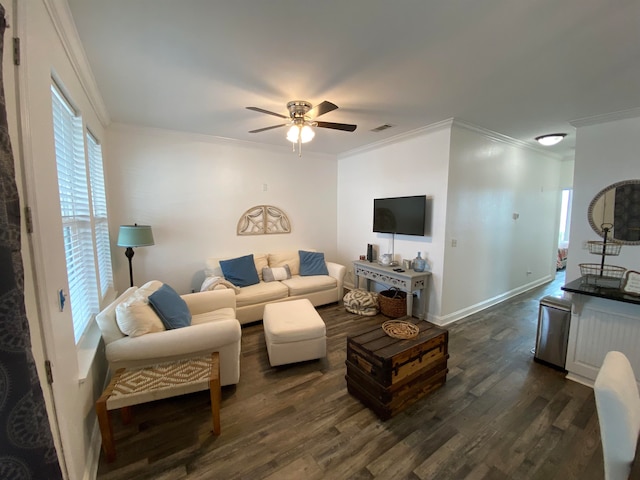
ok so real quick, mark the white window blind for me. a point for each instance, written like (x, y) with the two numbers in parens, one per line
(100, 221)
(80, 224)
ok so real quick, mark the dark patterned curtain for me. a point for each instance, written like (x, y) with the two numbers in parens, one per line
(26, 443)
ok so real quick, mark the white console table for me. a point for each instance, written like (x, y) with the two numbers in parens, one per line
(408, 281)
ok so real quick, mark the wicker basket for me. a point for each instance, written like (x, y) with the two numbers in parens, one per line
(400, 329)
(609, 276)
(597, 270)
(601, 248)
(393, 303)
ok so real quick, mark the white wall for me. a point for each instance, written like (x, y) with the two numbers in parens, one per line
(496, 255)
(476, 181)
(606, 153)
(566, 173)
(416, 164)
(193, 189)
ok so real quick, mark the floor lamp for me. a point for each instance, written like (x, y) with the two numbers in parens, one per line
(134, 236)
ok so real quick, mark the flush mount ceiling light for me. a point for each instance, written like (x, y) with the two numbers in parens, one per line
(550, 139)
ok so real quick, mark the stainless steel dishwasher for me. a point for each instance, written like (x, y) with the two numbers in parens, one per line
(554, 317)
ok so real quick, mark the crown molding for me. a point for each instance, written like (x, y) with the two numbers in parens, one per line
(499, 137)
(606, 117)
(117, 127)
(62, 20)
(399, 138)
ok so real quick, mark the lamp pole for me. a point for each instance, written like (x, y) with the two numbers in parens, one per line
(129, 254)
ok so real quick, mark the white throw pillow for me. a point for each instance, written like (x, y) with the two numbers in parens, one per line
(276, 273)
(135, 316)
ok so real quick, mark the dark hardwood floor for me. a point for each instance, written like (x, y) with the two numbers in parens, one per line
(499, 416)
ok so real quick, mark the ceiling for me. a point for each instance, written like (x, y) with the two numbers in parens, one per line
(519, 68)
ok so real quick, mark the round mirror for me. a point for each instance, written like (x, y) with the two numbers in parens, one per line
(617, 205)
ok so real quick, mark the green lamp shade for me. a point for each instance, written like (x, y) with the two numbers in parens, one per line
(135, 236)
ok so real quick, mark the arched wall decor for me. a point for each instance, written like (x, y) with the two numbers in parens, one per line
(263, 220)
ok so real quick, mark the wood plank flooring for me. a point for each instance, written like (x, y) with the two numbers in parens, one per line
(499, 416)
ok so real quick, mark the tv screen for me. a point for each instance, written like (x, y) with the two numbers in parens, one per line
(402, 215)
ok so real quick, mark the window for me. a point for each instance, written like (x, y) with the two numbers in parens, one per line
(565, 218)
(84, 213)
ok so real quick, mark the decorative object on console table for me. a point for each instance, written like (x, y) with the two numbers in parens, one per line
(419, 263)
(389, 374)
(134, 236)
(369, 252)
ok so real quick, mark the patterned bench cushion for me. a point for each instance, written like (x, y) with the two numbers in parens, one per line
(361, 302)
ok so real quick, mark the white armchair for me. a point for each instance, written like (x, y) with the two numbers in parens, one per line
(618, 406)
(213, 328)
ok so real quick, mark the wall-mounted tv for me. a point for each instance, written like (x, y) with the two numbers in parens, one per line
(401, 215)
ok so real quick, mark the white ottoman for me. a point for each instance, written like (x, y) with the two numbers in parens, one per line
(294, 332)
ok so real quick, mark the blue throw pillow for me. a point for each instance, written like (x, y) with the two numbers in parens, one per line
(170, 307)
(312, 263)
(240, 271)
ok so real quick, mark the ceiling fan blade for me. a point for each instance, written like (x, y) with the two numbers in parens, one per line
(321, 109)
(337, 126)
(262, 110)
(267, 128)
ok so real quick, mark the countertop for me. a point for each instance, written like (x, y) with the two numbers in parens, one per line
(579, 286)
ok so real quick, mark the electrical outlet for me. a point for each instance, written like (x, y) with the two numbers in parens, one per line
(454, 242)
(585, 245)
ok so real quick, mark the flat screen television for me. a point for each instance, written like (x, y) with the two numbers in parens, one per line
(401, 215)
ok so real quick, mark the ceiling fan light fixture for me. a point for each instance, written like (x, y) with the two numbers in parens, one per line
(306, 134)
(293, 133)
(550, 139)
(301, 133)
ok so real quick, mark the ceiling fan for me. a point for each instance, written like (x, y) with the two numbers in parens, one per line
(301, 119)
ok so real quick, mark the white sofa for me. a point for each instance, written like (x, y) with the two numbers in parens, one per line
(213, 328)
(250, 300)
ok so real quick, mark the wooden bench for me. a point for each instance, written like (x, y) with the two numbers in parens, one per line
(130, 387)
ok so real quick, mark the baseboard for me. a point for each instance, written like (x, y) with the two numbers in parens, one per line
(93, 460)
(580, 379)
(465, 312)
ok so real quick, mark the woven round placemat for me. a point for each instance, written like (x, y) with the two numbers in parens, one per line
(400, 329)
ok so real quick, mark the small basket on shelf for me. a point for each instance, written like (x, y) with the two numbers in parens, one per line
(602, 275)
(604, 248)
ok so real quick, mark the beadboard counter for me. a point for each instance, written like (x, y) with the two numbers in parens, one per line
(602, 319)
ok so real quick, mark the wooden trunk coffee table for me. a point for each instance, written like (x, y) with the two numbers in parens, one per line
(389, 374)
(130, 387)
